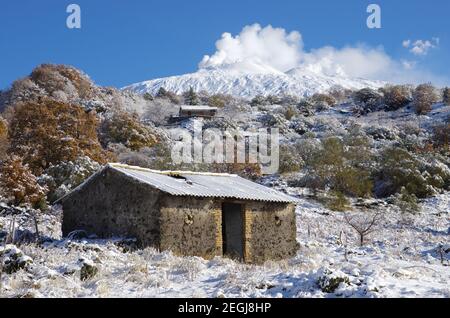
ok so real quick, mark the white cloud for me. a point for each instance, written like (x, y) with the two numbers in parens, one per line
(406, 43)
(421, 47)
(268, 49)
(409, 65)
(255, 45)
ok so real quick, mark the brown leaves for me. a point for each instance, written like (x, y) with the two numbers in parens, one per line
(18, 184)
(48, 132)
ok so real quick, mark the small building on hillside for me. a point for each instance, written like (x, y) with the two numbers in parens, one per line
(189, 213)
(188, 111)
(197, 111)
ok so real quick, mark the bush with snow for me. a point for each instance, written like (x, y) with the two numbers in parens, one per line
(424, 96)
(13, 259)
(329, 281)
(65, 176)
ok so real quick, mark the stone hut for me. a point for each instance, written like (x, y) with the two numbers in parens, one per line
(197, 111)
(189, 213)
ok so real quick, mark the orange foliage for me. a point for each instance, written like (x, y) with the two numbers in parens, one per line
(19, 185)
(48, 132)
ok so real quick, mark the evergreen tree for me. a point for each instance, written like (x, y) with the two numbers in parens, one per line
(191, 97)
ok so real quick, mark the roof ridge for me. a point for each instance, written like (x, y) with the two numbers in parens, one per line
(168, 172)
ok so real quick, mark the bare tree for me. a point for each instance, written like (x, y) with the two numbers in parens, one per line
(364, 224)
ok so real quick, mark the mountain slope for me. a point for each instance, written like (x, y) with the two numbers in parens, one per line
(248, 84)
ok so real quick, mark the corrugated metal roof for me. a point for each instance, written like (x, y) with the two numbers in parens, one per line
(197, 108)
(186, 183)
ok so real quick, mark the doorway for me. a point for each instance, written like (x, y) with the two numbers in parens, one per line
(232, 230)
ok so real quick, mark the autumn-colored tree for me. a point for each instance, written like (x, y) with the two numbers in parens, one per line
(18, 185)
(396, 96)
(55, 77)
(323, 99)
(424, 96)
(49, 132)
(441, 136)
(3, 137)
(126, 129)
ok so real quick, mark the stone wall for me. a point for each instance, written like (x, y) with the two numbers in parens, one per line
(270, 231)
(191, 226)
(113, 204)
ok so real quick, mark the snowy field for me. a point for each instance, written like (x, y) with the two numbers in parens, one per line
(400, 259)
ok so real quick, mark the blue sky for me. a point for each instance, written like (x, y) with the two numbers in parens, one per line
(122, 42)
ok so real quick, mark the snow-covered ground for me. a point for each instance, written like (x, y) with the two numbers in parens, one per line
(400, 259)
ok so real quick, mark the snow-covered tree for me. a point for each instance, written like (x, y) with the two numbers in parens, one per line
(65, 176)
(424, 96)
(126, 129)
(18, 184)
(367, 99)
(49, 132)
(396, 96)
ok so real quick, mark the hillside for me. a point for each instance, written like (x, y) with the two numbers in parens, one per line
(350, 156)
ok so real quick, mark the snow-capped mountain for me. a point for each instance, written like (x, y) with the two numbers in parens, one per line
(243, 81)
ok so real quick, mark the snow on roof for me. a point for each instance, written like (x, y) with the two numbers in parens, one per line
(201, 184)
(197, 108)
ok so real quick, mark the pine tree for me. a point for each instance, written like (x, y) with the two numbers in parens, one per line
(191, 97)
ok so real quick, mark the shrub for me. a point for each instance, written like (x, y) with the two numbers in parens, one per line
(323, 99)
(165, 94)
(338, 202)
(368, 98)
(340, 94)
(219, 100)
(148, 97)
(396, 97)
(65, 176)
(306, 108)
(290, 112)
(407, 202)
(258, 100)
(446, 96)
(341, 167)
(18, 184)
(290, 160)
(124, 128)
(424, 96)
(398, 169)
(49, 132)
(441, 136)
(273, 100)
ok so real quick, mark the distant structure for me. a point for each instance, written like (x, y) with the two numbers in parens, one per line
(189, 213)
(188, 111)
